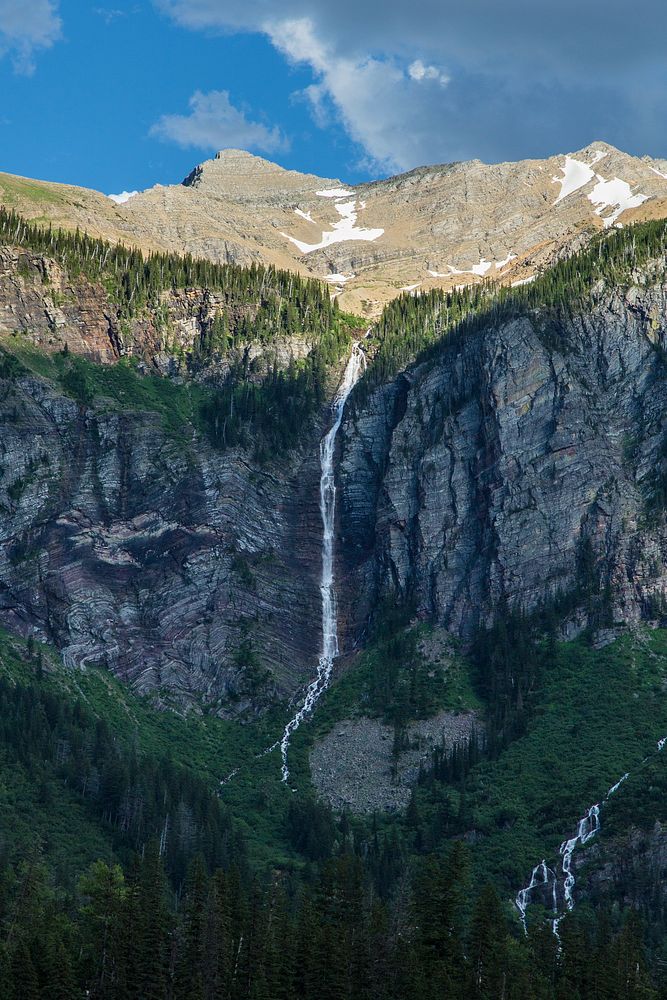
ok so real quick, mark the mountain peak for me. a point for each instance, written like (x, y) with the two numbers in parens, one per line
(243, 178)
(230, 163)
(231, 155)
(599, 146)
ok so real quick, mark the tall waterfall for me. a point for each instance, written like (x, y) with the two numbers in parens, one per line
(318, 686)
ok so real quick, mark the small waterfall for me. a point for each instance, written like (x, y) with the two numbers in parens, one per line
(353, 371)
(587, 828)
(541, 876)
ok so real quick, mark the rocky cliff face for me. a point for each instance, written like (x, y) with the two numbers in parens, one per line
(49, 308)
(38, 299)
(517, 466)
(185, 571)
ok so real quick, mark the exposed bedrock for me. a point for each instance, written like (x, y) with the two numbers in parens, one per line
(516, 466)
(185, 571)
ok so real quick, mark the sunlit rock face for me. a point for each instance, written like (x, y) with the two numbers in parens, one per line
(436, 226)
(516, 466)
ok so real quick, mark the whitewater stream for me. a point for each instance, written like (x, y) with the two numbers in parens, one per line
(353, 371)
(548, 880)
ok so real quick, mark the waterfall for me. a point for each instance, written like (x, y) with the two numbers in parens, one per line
(353, 371)
(541, 876)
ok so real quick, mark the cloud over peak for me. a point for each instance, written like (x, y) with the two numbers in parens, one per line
(418, 71)
(437, 80)
(214, 123)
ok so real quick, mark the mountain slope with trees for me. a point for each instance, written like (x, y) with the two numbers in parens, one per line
(161, 561)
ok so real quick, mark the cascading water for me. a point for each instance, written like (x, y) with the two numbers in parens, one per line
(543, 876)
(353, 371)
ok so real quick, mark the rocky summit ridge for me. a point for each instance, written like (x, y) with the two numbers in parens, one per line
(435, 226)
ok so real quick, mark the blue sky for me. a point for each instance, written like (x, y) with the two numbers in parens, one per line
(84, 113)
(123, 95)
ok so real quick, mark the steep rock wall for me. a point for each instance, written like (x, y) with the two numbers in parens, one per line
(41, 302)
(185, 571)
(515, 466)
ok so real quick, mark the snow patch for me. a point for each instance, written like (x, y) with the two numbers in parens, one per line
(615, 194)
(500, 264)
(410, 288)
(524, 281)
(474, 270)
(339, 279)
(121, 198)
(575, 176)
(342, 231)
(481, 268)
(335, 193)
(659, 173)
(303, 215)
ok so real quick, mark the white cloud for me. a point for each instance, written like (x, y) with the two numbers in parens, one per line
(214, 123)
(110, 14)
(436, 80)
(124, 196)
(379, 104)
(418, 71)
(26, 27)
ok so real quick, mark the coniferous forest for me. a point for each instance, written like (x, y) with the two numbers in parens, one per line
(225, 935)
(179, 908)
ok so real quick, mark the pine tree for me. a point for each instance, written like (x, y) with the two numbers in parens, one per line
(60, 982)
(632, 981)
(104, 895)
(154, 926)
(23, 977)
(190, 969)
(487, 948)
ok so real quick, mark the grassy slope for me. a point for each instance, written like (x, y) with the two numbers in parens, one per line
(118, 387)
(17, 192)
(63, 205)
